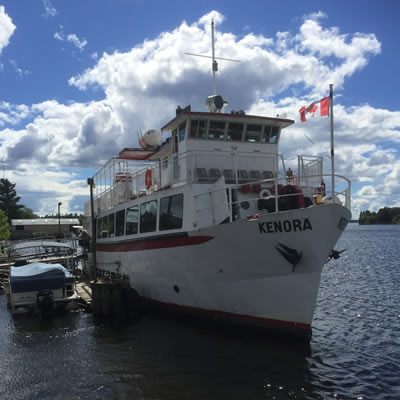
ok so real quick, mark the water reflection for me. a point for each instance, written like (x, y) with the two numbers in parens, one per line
(354, 352)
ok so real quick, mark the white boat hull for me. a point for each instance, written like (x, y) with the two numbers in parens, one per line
(234, 270)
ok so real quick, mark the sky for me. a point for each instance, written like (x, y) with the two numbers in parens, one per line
(79, 79)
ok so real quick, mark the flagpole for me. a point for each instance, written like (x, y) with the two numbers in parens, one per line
(332, 142)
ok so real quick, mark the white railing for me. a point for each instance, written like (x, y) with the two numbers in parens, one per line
(342, 195)
(122, 180)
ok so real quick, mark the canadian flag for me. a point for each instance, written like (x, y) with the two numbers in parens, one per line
(323, 105)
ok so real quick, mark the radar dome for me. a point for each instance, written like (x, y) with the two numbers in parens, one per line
(151, 138)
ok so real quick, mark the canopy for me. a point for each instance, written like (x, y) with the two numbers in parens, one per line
(38, 276)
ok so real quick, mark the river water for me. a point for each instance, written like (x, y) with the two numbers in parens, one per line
(354, 352)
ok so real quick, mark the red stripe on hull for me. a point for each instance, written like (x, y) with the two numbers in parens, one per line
(151, 244)
(227, 315)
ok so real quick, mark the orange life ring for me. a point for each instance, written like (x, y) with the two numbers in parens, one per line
(149, 180)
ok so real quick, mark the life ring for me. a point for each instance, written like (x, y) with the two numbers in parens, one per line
(265, 193)
(149, 180)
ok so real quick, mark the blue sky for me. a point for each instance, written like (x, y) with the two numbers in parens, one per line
(79, 79)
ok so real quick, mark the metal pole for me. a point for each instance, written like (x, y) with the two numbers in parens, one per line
(214, 63)
(59, 218)
(332, 142)
(93, 242)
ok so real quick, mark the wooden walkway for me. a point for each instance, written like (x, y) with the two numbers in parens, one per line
(85, 293)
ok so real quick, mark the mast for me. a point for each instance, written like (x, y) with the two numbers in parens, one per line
(214, 62)
(332, 142)
(214, 103)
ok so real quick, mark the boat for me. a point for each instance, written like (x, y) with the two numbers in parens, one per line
(46, 250)
(207, 221)
(40, 287)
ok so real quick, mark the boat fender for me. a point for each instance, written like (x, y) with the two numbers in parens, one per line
(328, 199)
(265, 193)
(149, 178)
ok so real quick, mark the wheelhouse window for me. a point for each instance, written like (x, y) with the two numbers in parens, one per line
(111, 225)
(148, 216)
(253, 133)
(274, 134)
(198, 128)
(235, 131)
(171, 212)
(120, 223)
(132, 220)
(266, 134)
(182, 131)
(216, 130)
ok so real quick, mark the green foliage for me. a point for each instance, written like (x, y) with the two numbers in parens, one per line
(27, 213)
(9, 200)
(385, 215)
(4, 227)
(81, 217)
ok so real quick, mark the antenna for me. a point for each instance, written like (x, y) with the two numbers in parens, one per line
(211, 104)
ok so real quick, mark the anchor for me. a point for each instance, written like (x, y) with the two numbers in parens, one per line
(290, 255)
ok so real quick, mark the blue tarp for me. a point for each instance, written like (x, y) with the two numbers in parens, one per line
(38, 276)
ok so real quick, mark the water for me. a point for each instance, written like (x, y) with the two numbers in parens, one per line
(354, 352)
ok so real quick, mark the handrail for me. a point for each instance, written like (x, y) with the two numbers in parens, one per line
(344, 193)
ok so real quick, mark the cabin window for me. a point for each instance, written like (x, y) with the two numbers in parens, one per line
(171, 212)
(111, 225)
(148, 216)
(132, 220)
(216, 130)
(253, 133)
(198, 128)
(235, 131)
(103, 227)
(120, 223)
(274, 134)
(182, 131)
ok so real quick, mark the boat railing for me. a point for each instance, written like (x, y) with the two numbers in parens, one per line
(122, 180)
(269, 189)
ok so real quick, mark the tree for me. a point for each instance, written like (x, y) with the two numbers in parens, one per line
(27, 213)
(385, 215)
(4, 227)
(9, 200)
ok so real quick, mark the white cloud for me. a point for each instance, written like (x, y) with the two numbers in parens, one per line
(72, 38)
(143, 86)
(21, 73)
(12, 114)
(80, 44)
(49, 9)
(7, 28)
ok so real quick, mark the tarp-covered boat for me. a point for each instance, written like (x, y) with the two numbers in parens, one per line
(40, 286)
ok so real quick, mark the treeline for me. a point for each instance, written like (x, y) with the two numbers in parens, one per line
(385, 215)
(71, 215)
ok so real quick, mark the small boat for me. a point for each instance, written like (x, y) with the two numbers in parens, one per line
(40, 287)
(44, 250)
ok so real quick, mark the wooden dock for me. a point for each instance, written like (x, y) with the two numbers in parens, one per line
(84, 292)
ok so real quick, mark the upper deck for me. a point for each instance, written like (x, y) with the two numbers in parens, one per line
(201, 148)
